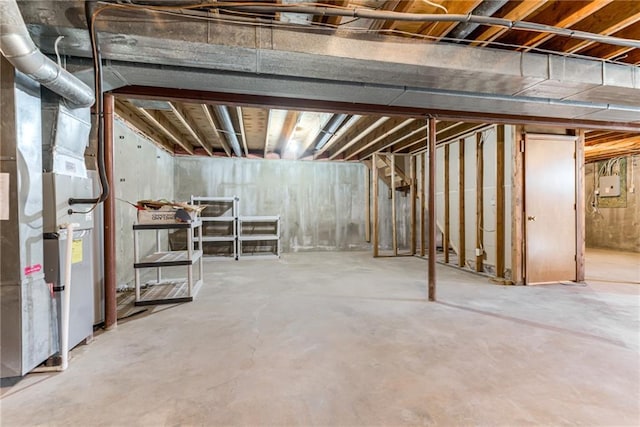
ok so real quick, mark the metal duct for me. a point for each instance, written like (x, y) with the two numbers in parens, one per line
(329, 130)
(229, 131)
(16, 45)
(486, 8)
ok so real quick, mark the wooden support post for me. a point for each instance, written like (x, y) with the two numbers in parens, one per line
(394, 230)
(447, 231)
(375, 236)
(110, 298)
(461, 218)
(517, 207)
(432, 209)
(500, 243)
(423, 204)
(479, 201)
(580, 208)
(367, 204)
(413, 195)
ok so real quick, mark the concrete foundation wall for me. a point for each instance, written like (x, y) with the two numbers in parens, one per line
(321, 204)
(614, 227)
(141, 171)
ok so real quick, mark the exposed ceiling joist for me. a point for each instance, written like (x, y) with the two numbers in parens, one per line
(187, 123)
(289, 125)
(417, 127)
(518, 13)
(393, 127)
(441, 29)
(565, 21)
(161, 122)
(361, 129)
(206, 111)
(606, 21)
(126, 111)
(243, 135)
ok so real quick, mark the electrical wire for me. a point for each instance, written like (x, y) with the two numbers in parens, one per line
(55, 48)
(439, 6)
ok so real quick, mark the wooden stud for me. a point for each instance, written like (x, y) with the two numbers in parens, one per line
(375, 204)
(479, 201)
(432, 210)
(446, 235)
(500, 243)
(367, 204)
(394, 230)
(413, 195)
(461, 218)
(423, 203)
(580, 208)
(517, 207)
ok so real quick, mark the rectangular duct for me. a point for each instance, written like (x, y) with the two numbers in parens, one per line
(27, 332)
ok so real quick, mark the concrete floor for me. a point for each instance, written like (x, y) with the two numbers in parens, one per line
(343, 339)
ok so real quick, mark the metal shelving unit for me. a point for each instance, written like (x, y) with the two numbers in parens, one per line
(169, 291)
(220, 225)
(258, 233)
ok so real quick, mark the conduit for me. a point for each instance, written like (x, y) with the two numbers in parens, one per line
(16, 45)
(486, 8)
(418, 17)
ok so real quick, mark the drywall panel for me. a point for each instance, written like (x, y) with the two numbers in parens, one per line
(321, 204)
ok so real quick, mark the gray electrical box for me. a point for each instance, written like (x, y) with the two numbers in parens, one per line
(609, 186)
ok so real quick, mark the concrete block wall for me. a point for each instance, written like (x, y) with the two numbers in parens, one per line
(614, 228)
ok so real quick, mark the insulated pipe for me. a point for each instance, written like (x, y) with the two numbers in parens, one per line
(16, 45)
(329, 130)
(229, 131)
(418, 17)
(486, 8)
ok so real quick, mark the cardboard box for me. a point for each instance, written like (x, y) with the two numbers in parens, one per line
(157, 216)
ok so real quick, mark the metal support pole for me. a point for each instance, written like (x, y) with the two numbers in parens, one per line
(110, 303)
(432, 208)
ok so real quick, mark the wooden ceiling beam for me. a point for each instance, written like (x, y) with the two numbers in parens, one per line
(243, 135)
(161, 122)
(190, 126)
(356, 133)
(128, 113)
(608, 20)
(407, 132)
(441, 29)
(391, 127)
(392, 6)
(520, 12)
(208, 114)
(563, 21)
(289, 125)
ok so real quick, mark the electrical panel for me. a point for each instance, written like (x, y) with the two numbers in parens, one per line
(609, 186)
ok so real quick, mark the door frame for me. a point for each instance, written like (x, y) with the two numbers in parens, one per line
(518, 225)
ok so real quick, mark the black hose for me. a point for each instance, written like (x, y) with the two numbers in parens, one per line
(99, 110)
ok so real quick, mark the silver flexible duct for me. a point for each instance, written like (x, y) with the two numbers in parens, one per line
(16, 45)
